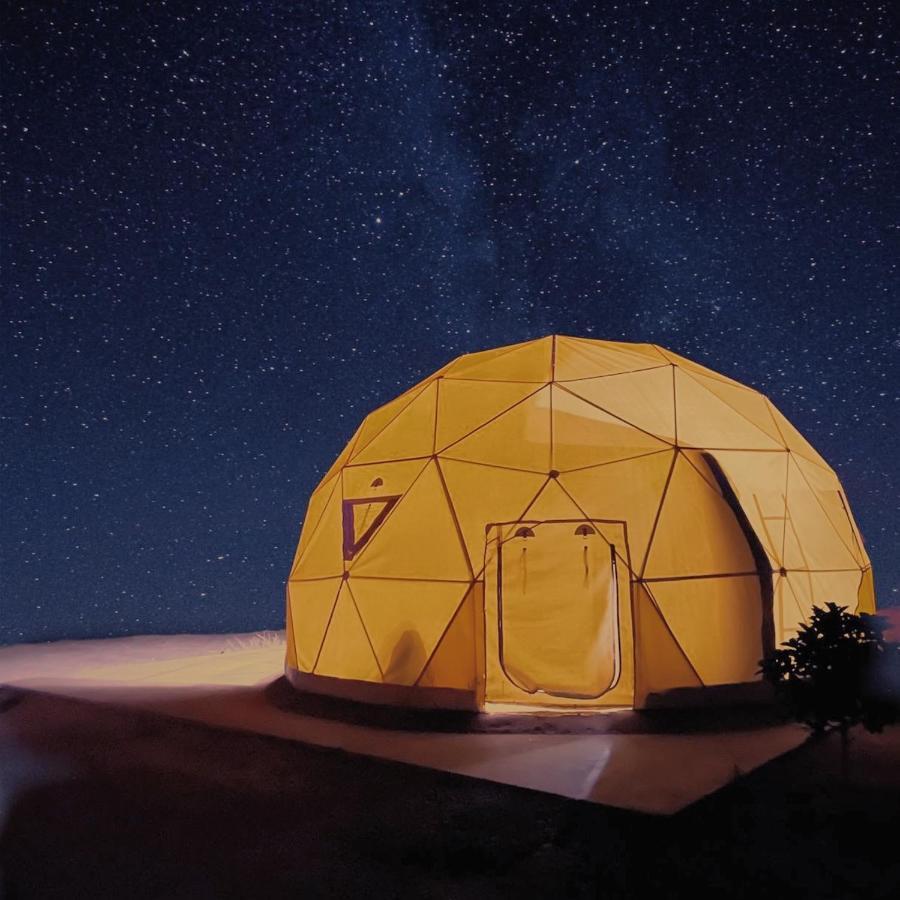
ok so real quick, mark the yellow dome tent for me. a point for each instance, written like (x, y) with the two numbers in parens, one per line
(565, 523)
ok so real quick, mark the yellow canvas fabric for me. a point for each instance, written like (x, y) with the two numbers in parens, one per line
(405, 620)
(473, 486)
(347, 651)
(552, 502)
(530, 361)
(760, 482)
(581, 358)
(311, 604)
(586, 435)
(712, 613)
(383, 479)
(702, 419)
(696, 532)
(322, 556)
(517, 439)
(380, 418)
(464, 405)
(316, 506)
(423, 525)
(645, 399)
(630, 491)
(660, 662)
(409, 434)
(675, 522)
(454, 660)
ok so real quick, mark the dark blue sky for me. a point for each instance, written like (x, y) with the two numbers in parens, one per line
(230, 230)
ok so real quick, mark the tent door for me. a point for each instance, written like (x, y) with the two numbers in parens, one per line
(557, 609)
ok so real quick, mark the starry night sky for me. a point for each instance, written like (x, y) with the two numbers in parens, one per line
(230, 230)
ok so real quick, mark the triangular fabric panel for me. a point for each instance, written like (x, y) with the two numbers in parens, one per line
(792, 554)
(410, 434)
(704, 420)
(346, 652)
(315, 508)
(650, 351)
(827, 490)
(311, 603)
(377, 420)
(817, 544)
(717, 622)
(519, 438)
(690, 366)
(818, 588)
(405, 620)
(794, 440)
(323, 555)
(584, 435)
(419, 538)
(629, 491)
(528, 362)
(660, 664)
(475, 488)
(645, 399)
(697, 532)
(841, 588)
(461, 364)
(384, 479)
(750, 404)
(465, 405)
(552, 503)
(759, 481)
(452, 665)
(577, 358)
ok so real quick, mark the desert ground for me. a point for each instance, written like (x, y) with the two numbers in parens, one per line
(105, 794)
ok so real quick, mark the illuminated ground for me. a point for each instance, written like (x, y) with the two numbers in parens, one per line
(225, 681)
(107, 801)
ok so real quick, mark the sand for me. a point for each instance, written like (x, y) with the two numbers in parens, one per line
(621, 759)
(182, 766)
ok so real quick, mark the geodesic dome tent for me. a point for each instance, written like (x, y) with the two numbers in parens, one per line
(565, 522)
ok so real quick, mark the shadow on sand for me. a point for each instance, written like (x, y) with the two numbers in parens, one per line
(282, 695)
(103, 802)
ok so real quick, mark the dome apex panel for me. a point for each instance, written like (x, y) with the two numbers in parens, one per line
(581, 358)
(531, 361)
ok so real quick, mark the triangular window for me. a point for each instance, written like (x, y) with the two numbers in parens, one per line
(361, 519)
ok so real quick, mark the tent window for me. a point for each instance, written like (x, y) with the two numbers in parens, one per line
(585, 530)
(524, 532)
(361, 519)
(378, 482)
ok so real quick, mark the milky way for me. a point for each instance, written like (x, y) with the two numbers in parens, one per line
(230, 230)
